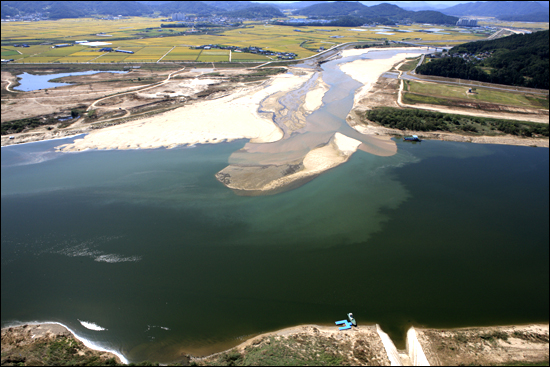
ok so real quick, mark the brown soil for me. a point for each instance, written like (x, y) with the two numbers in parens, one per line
(485, 346)
(48, 344)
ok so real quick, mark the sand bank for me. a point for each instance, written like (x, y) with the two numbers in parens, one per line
(229, 118)
(314, 98)
(319, 160)
(256, 180)
(368, 71)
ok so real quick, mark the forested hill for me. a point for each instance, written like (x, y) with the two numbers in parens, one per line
(78, 9)
(496, 8)
(520, 60)
(381, 13)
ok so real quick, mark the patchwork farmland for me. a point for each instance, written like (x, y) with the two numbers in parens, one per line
(151, 44)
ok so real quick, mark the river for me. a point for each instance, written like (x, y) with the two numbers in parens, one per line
(150, 247)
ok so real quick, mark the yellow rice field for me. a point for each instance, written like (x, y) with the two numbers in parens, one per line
(132, 34)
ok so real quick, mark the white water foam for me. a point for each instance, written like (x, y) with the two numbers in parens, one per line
(91, 325)
(114, 258)
(149, 327)
(86, 249)
(90, 344)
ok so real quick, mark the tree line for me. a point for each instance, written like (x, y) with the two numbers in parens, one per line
(419, 120)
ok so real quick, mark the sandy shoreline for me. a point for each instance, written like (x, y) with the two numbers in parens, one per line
(225, 119)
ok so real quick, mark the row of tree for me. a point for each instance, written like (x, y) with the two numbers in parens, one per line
(419, 120)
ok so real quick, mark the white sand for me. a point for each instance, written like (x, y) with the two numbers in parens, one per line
(367, 72)
(225, 119)
(354, 52)
(318, 160)
(314, 98)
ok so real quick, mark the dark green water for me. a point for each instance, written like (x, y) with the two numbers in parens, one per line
(440, 235)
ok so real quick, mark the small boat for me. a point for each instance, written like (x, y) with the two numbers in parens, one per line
(412, 138)
(351, 319)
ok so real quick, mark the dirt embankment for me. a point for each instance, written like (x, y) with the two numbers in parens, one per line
(49, 345)
(53, 344)
(311, 345)
(498, 345)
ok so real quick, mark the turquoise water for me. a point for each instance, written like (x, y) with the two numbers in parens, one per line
(148, 245)
(29, 82)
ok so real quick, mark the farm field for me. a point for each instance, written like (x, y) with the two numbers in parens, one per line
(481, 94)
(149, 42)
(182, 53)
(526, 25)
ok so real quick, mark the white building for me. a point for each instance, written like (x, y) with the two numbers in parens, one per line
(178, 16)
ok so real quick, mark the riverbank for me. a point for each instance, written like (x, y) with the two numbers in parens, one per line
(386, 92)
(369, 345)
(51, 344)
(226, 119)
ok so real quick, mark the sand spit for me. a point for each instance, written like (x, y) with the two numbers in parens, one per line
(267, 179)
(225, 119)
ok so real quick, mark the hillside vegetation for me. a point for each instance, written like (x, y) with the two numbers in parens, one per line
(519, 60)
(383, 13)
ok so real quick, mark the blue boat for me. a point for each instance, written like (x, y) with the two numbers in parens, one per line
(412, 138)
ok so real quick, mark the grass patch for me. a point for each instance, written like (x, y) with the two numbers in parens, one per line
(448, 95)
(409, 65)
(282, 352)
(62, 351)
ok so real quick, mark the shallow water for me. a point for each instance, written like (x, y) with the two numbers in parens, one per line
(321, 125)
(31, 82)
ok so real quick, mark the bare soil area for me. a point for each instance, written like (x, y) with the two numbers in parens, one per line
(498, 345)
